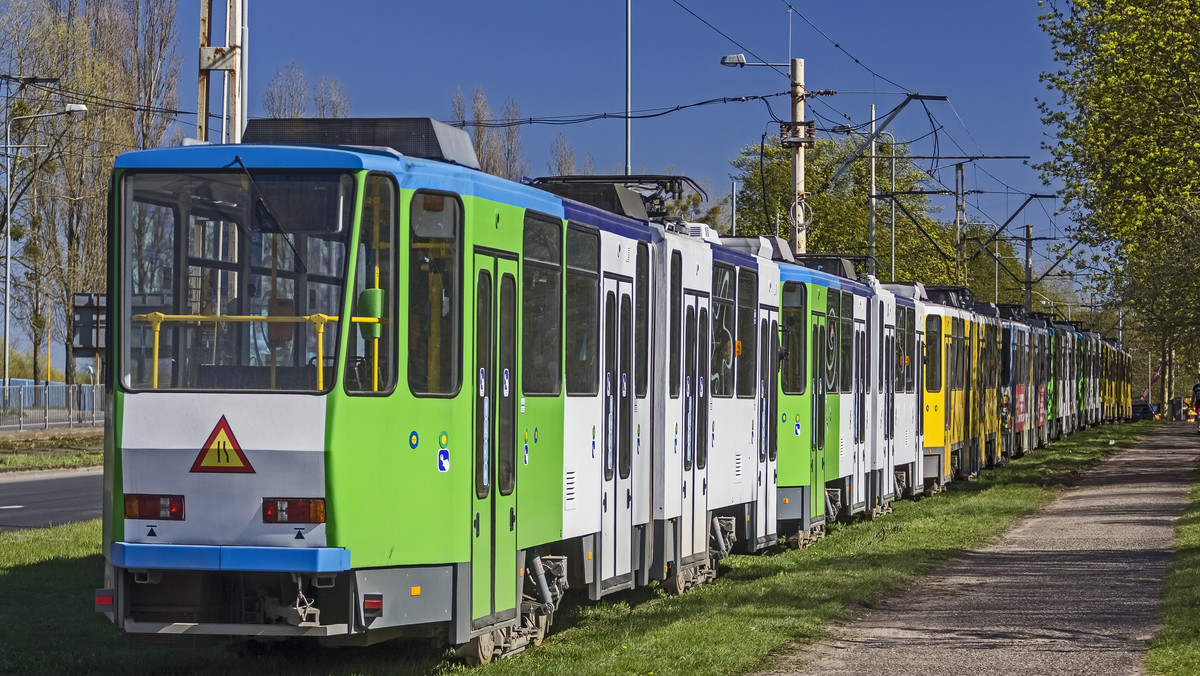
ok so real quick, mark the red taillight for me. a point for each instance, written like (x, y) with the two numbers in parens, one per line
(293, 510)
(372, 607)
(104, 600)
(158, 507)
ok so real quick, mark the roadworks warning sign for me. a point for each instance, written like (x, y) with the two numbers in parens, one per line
(222, 453)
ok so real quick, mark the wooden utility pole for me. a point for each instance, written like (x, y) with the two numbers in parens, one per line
(231, 58)
(960, 217)
(1028, 268)
(799, 228)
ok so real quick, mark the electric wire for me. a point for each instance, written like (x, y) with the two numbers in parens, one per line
(842, 49)
(735, 42)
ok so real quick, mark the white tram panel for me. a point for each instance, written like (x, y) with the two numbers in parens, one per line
(732, 455)
(882, 385)
(617, 269)
(694, 260)
(646, 407)
(908, 440)
(762, 432)
(858, 394)
(282, 438)
(583, 442)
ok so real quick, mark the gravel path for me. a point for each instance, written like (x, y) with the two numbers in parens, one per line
(1072, 589)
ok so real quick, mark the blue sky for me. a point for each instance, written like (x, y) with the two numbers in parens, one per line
(568, 58)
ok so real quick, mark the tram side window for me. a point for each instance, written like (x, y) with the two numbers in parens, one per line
(435, 294)
(676, 309)
(541, 308)
(833, 308)
(747, 382)
(911, 341)
(847, 335)
(901, 347)
(582, 327)
(933, 354)
(371, 352)
(641, 321)
(723, 331)
(792, 316)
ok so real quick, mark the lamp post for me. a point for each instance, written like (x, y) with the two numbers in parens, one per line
(69, 109)
(799, 233)
(892, 141)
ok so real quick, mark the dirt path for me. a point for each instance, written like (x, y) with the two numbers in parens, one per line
(1072, 589)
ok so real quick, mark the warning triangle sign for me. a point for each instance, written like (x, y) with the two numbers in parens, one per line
(222, 453)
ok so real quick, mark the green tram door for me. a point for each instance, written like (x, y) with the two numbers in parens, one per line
(819, 424)
(493, 499)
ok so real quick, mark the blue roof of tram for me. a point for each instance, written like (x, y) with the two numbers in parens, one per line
(586, 214)
(411, 172)
(790, 272)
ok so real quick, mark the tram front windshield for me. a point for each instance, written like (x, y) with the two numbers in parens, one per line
(232, 280)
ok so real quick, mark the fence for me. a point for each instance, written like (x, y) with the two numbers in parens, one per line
(25, 406)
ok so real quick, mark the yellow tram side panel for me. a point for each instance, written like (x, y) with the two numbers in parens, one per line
(936, 434)
(956, 346)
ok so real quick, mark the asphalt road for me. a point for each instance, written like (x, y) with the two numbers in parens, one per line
(39, 499)
(1072, 589)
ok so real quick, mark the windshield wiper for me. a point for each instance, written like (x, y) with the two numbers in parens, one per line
(264, 212)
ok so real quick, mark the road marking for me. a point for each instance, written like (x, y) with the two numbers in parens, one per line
(12, 506)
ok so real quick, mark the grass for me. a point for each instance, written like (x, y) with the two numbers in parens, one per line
(60, 450)
(761, 606)
(1176, 648)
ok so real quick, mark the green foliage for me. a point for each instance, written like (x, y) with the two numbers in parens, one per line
(925, 246)
(1124, 146)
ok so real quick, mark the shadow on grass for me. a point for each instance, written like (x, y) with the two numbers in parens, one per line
(49, 626)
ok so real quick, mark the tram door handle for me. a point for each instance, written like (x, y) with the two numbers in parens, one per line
(512, 518)
(476, 524)
(604, 502)
(629, 498)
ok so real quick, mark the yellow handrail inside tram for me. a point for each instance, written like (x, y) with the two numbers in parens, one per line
(318, 320)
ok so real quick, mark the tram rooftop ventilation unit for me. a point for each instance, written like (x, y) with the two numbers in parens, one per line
(915, 290)
(700, 231)
(772, 248)
(841, 265)
(1014, 311)
(988, 309)
(412, 136)
(951, 296)
(640, 196)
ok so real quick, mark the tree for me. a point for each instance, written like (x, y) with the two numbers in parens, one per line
(122, 51)
(562, 157)
(515, 166)
(286, 95)
(840, 214)
(1124, 147)
(330, 99)
(498, 146)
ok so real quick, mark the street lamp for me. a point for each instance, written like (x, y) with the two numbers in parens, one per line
(799, 234)
(68, 110)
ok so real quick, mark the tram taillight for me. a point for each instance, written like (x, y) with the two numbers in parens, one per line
(293, 510)
(161, 507)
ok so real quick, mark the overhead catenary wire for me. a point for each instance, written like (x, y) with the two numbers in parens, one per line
(843, 50)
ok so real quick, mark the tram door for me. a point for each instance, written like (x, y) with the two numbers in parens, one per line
(818, 424)
(768, 407)
(694, 517)
(616, 554)
(494, 591)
